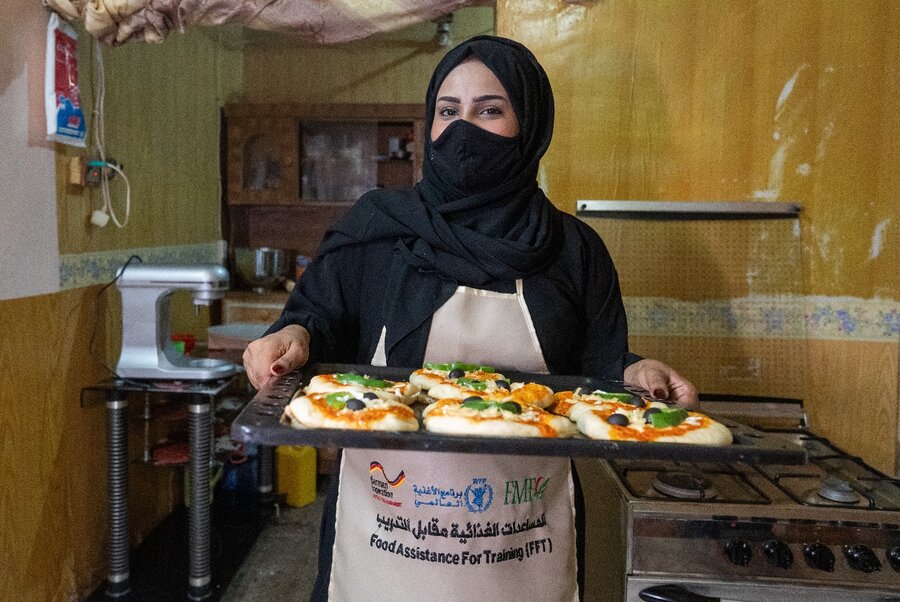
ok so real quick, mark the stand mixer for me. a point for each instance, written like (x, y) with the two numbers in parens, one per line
(147, 351)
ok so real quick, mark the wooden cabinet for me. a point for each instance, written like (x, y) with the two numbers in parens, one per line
(289, 154)
(262, 160)
(292, 170)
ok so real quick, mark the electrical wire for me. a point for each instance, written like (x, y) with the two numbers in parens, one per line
(105, 187)
(100, 141)
(91, 350)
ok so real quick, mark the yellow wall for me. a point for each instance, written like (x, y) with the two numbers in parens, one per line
(162, 113)
(734, 101)
(162, 124)
(52, 476)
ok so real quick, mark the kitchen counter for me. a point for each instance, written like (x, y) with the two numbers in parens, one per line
(248, 306)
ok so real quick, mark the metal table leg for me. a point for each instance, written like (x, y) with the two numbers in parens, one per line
(117, 580)
(266, 476)
(200, 426)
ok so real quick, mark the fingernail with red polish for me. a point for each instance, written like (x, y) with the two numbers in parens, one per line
(278, 369)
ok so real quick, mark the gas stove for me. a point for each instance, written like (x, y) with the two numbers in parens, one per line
(826, 530)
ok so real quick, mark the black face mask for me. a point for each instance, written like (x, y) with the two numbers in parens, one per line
(471, 159)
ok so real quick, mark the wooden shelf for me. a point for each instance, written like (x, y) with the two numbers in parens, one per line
(264, 167)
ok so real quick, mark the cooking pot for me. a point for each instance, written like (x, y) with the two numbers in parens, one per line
(261, 268)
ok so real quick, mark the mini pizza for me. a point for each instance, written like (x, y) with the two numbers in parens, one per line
(434, 374)
(533, 394)
(564, 401)
(356, 383)
(608, 419)
(490, 418)
(351, 410)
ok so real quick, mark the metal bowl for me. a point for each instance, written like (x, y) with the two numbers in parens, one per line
(261, 268)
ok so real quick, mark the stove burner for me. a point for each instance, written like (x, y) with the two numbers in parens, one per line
(684, 485)
(835, 489)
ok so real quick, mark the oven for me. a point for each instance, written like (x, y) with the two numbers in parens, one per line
(676, 531)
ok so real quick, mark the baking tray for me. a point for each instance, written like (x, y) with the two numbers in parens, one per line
(261, 422)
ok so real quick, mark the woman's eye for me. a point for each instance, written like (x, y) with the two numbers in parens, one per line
(492, 111)
(447, 112)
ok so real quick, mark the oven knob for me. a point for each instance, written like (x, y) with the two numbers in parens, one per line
(862, 558)
(778, 554)
(818, 556)
(893, 557)
(738, 552)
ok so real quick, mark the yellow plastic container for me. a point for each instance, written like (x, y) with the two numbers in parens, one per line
(295, 474)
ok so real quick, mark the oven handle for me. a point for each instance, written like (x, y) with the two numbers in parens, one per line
(672, 593)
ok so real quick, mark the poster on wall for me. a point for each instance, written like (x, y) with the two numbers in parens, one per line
(65, 117)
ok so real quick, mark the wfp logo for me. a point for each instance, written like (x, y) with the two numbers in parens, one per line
(476, 497)
(527, 490)
(479, 495)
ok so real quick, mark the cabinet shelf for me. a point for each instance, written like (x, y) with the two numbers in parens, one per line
(283, 154)
(292, 170)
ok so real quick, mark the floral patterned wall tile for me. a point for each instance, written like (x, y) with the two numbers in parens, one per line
(779, 317)
(85, 269)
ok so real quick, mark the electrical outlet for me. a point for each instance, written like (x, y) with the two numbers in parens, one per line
(95, 170)
(92, 174)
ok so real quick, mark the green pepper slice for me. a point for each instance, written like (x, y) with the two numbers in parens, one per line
(339, 399)
(349, 378)
(622, 397)
(668, 417)
(458, 366)
(481, 405)
(471, 383)
(476, 404)
(511, 406)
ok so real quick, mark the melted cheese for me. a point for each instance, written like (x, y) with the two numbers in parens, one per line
(591, 414)
(313, 410)
(450, 417)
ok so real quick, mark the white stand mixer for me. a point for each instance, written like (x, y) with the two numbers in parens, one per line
(147, 351)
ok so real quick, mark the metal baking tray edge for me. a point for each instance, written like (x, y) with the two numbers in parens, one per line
(260, 423)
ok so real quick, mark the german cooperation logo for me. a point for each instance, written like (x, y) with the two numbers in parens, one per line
(382, 486)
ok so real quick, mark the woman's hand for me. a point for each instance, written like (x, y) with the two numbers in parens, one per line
(662, 382)
(276, 354)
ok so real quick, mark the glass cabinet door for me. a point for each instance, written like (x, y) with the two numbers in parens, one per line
(262, 161)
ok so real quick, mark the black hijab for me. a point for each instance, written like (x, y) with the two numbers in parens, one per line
(506, 232)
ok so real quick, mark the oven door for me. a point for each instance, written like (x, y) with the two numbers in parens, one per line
(660, 589)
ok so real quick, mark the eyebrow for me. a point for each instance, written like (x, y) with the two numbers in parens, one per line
(476, 99)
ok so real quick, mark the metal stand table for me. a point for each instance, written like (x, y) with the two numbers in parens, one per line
(200, 396)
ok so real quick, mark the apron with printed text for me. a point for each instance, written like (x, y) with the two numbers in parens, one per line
(416, 525)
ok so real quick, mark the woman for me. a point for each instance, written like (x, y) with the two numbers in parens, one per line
(473, 264)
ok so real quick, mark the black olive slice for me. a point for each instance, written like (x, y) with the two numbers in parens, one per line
(649, 412)
(355, 404)
(618, 419)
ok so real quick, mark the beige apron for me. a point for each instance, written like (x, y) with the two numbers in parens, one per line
(458, 527)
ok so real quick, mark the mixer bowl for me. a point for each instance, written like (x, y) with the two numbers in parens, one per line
(261, 268)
